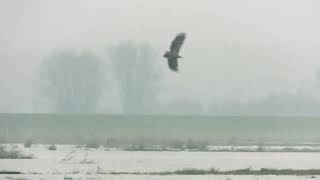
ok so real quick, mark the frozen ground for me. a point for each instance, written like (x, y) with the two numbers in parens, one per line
(268, 148)
(153, 177)
(82, 163)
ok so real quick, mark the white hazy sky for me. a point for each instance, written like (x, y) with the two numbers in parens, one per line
(234, 49)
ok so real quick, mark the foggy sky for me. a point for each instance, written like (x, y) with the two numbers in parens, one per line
(234, 49)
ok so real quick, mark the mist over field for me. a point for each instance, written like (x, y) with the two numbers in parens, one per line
(240, 57)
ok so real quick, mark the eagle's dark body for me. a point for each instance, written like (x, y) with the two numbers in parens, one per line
(173, 54)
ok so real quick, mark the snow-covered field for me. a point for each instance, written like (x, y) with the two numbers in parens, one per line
(83, 163)
(153, 177)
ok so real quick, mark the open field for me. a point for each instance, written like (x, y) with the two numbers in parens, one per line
(68, 159)
(102, 163)
(156, 129)
(154, 177)
(211, 145)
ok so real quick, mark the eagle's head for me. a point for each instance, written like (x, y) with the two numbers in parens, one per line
(166, 54)
(171, 54)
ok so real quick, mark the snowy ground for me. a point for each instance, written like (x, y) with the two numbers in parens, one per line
(82, 163)
(153, 177)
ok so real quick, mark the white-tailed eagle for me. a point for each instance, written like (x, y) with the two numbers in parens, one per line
(173, 54)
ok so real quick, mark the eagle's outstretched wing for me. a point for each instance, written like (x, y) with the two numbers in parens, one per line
(173, 64)
(177, 42)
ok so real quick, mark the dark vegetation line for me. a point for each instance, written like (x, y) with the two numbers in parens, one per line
(10, 172)
(262, 171)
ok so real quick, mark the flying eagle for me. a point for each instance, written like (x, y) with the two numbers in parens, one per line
(173, 54)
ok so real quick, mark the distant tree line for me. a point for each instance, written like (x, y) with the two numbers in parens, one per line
(70, 82)
(76, 82)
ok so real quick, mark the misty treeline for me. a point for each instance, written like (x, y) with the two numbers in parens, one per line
(69, 81)
(78, 82)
